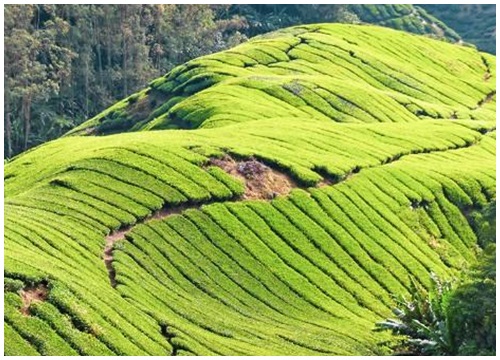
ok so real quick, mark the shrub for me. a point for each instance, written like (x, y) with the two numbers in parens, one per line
(422, 320)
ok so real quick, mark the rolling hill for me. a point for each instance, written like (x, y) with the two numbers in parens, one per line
(265, 200)
(405, 17)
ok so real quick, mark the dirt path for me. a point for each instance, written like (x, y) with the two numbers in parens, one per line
(261, 182)
(119, 235)
(31, 294)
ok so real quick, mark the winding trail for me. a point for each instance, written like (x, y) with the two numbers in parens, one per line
(261, 182)
(235, 169)
(120, 234)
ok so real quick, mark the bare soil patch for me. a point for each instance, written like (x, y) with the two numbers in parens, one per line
(111, 239)
(325, 182)
(261, 181)
(486, 99)
(31, 294)
(434, 243)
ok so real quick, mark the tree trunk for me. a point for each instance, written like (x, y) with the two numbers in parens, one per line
(123, 16)
(8, 130)
(26, 110)
(99, 63)
(125, 71)
(108, 30)
(37, 25)
(87, 86)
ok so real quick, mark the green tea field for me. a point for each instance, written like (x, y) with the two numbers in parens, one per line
(265, 200)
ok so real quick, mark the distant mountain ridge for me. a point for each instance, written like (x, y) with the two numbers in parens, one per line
(410, 18)
(475, 23)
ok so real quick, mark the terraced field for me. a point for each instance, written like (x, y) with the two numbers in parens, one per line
(293, 184)
(411, 18)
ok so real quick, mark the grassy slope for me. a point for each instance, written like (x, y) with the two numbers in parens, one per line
(317, 72)
(393, 119)
(405, 17)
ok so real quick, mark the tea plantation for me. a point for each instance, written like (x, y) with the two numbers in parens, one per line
(136, 243)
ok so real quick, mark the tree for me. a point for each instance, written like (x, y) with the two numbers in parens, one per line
(65, 63)
(263, 18)
(184, 32)
(36, 66)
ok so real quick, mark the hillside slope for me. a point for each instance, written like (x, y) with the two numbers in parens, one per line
(311, 173)
(476, 23)
(264, 18)
(405, 17)
(316, 72)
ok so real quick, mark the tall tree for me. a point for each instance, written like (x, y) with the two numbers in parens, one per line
(65, 63)
(36, 65)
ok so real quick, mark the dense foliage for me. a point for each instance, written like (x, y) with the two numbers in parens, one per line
(390, 139)
(476, 23)
(64, 63)
(472, 309)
